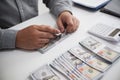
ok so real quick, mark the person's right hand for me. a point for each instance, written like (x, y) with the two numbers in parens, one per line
(35, 36)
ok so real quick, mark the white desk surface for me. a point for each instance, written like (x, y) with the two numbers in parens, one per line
(18, 64)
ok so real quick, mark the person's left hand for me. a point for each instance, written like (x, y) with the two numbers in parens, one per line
(67, 21)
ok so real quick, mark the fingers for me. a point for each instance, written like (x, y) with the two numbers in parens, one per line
(38, 46)
(68, 22)
(72, 25)
(41, 45)
(49, 29)
(34, 37)
(60, 25)
(43, 41)
(45, 35)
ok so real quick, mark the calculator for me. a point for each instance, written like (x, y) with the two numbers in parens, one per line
(92, 4)
(105, 32)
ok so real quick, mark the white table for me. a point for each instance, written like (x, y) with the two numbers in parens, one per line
(19, 64)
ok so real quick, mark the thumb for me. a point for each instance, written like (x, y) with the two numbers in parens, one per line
(60, 25)
(69, 21)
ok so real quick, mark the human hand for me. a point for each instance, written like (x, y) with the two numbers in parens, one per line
(35, 36)
(67, 21)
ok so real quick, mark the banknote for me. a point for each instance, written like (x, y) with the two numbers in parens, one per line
(100, 49)
(108, 54)
(89, 58)
(86, 71)
(53, 42)
(65, 71)
(45, 73)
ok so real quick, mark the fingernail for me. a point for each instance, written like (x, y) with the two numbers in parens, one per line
(52, 36)
(58, 34)
(62, 30)
(57, 31)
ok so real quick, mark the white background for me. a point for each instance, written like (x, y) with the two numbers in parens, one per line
(19, 64)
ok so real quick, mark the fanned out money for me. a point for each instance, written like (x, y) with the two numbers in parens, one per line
(78, 63)
(44, 73)
(66, 72)
(82, 67)
(59, 37)
(100, 49)
(74, 68)
(89, 58)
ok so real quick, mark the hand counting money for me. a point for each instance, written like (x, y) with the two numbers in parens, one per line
(53, 42)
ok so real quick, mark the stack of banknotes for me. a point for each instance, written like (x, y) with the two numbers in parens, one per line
(87, 61)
